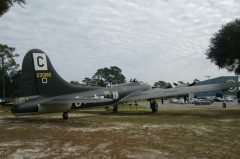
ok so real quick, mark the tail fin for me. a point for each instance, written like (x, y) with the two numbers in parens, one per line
(40, 78)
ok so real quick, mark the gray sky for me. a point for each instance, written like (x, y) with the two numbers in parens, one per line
(149, 40)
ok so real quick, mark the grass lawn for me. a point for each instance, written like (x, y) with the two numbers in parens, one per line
(170, 133)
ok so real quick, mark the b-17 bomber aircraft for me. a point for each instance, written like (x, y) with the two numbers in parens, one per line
(44, 91)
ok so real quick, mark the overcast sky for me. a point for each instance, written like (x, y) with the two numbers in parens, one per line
(150, 40)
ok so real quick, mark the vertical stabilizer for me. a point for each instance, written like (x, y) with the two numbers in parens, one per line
(40, 78)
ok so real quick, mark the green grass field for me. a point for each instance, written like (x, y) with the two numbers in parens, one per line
(170, 133)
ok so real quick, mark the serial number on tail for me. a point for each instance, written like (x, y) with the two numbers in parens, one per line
(44, 75)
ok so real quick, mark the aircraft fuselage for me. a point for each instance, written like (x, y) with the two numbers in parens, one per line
(109, 95)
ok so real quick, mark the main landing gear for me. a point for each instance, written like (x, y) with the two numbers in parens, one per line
(65, 115)
(154, 106)
(112, 109)
(115, 109)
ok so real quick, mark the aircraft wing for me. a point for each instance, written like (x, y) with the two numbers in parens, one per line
(159, 93)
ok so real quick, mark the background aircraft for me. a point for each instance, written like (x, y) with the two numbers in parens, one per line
(44, 91)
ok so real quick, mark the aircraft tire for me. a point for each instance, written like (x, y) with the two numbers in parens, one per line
(115, 109)
(65, 115)
(154, 106)
(154, 110)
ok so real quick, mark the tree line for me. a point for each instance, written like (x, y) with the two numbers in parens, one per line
(223, 50)
(10, 78)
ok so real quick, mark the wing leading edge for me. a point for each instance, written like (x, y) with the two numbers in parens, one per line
(159, 93)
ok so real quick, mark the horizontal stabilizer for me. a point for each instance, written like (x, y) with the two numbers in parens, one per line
(81, 100)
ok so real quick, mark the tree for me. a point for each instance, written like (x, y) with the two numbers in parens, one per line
(196, 80)
(14, 88)
(12, 84)
(75, 83)
(181, 83)
(8, 64)
(112, 75)
(6, 4)
(162, 84)
(88, 81)
(224, 49)
(106, 76)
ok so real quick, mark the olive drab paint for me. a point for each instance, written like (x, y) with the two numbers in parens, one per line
(53, 94)
(40, 78)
